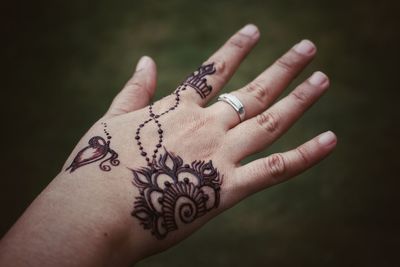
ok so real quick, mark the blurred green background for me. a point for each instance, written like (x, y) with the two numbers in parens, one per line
(63, 62)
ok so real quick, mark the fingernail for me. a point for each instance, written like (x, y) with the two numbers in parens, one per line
(143, 62)
(327, 138)
(318, 78)
(249, 30)
(305, 47)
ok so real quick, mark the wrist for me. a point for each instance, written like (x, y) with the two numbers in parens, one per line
(102, 206)
(77, 221)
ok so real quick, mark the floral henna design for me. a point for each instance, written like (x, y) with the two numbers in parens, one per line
(198, 81)
(173, 193)
(98, 149)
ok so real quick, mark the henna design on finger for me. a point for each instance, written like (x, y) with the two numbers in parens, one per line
(198, 81)
(173, 193)
(98, 149)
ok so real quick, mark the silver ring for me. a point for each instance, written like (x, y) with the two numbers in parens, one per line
(234, 102)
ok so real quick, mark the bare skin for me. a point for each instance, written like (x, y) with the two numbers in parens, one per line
(91, 214)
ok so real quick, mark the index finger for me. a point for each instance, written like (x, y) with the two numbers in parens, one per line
(203, 84)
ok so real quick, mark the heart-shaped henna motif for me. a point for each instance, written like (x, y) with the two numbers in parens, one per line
(98, 148)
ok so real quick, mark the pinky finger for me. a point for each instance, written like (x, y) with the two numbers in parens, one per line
(279, 167)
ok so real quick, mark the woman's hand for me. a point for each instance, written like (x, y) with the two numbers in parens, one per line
(146, 176)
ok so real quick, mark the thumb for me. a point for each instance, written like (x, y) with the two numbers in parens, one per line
(138, 91)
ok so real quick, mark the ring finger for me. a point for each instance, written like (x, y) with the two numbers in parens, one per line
(263, 90)
(253, 135)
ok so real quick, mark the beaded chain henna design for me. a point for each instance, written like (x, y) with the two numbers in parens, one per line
(173, 193)
(98, 149)
(198, 81)
(155, 118)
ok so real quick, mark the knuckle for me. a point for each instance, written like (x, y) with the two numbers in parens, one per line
(134, 84)
(287, 62)
(220, 66)
(239, 41)
(267, 121)
(257, 90)
(275, 165)
(303, 155)
(300, 96)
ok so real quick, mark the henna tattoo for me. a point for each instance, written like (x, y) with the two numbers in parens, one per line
(155, 118)
(98, 149)
(198, 81)
(173, 193)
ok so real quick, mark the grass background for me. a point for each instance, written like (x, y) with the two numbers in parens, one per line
(63, 62)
